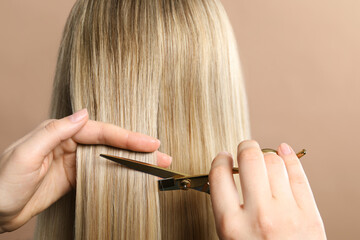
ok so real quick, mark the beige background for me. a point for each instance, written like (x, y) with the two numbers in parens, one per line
(300, 61)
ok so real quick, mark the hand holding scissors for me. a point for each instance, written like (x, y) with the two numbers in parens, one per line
(278, 201)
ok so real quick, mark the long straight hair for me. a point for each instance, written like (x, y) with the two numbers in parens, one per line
(166, 68)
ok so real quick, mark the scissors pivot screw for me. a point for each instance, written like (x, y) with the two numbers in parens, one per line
(185, 184)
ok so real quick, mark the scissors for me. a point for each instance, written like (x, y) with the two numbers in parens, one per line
(172, 180)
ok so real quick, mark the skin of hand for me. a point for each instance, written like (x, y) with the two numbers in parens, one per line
(278, 201)
(40, 168)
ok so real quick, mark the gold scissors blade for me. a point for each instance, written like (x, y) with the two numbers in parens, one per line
(143, 167)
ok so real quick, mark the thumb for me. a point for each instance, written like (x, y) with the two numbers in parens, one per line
(43, 141)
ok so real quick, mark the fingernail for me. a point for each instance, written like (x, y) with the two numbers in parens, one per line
(78, 116)
(285, 149)
(247, 144)
(224, 153)
(155, 141)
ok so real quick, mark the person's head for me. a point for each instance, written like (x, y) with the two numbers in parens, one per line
(166, 68)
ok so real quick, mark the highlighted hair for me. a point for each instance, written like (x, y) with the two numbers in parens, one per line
(166, 68)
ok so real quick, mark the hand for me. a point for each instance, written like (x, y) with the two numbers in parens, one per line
(278, 202)
(39, 169)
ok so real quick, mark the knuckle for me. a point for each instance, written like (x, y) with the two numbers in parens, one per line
(265, 224)
(317, 224)
(100, 135)
(17, 153)
(52, 129)
(50, 126)
(130, 138)
(298, 179)
(269, 225)
(44, 123)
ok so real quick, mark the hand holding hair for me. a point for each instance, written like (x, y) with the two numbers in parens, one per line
(39, 169)
(278, 201)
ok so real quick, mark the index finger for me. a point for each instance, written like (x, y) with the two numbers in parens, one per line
(108, 134)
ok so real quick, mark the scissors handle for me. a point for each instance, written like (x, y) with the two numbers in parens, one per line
(200, 182)
(300, 154)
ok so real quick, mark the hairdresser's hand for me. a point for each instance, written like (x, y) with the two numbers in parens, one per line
(40, 168)
(278, 202)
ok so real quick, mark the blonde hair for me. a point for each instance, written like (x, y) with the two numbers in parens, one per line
(168, 69)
